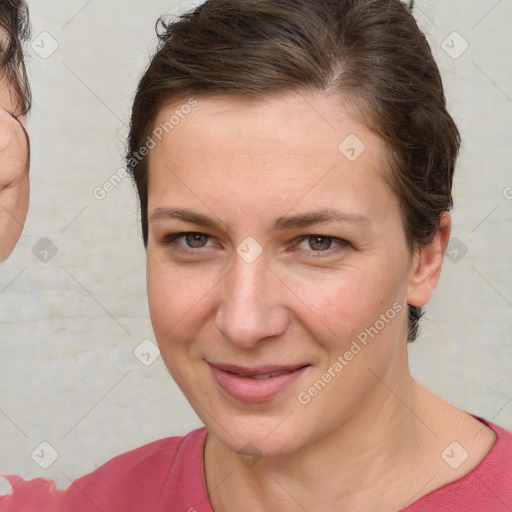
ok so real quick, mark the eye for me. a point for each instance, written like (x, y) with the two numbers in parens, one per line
(187, 240)
(195, 240)
(320, 243)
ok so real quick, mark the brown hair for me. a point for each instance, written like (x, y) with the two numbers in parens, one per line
(14, 31)
(369, 52)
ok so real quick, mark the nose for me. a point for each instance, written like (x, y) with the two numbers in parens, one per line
(251, 305)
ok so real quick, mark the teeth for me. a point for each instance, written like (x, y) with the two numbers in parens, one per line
(267, 375)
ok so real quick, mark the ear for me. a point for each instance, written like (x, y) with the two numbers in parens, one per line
(426, 265)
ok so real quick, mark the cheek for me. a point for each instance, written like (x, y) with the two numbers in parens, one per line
(178, 300)
(365, 315)
(337, 308)
(171, 303)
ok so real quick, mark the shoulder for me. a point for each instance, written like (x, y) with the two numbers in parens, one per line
(496, 467)
(487, 487)
(134, 480)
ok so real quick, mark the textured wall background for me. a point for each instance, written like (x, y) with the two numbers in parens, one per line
(72, 297)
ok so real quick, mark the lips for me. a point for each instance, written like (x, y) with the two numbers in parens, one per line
(258, 372)
(255, 384)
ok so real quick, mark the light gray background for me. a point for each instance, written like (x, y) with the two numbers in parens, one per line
(69, 326)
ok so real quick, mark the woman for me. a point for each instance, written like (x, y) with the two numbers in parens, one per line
(14, 105)
(294, 162)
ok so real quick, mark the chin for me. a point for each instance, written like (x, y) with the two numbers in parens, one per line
(259, 437)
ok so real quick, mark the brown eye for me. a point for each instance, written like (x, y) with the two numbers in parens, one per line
(319, 243)
(196, 240)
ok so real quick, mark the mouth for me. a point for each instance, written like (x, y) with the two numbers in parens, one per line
(255, 384)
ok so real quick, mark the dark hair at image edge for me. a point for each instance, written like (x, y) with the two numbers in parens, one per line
(368, 54)
(14, 31)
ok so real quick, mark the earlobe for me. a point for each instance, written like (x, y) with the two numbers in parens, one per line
(427, 264)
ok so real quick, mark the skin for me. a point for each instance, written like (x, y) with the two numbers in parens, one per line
(14, 178)
(246, 165)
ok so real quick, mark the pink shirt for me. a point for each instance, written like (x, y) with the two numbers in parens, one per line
(167, 476)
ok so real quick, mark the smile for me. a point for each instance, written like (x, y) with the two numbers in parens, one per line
(252, 385)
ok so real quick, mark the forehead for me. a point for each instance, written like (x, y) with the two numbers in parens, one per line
(289, 147)
(301, 125)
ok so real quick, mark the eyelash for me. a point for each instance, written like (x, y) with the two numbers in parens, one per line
(342, 244)
(171, 241)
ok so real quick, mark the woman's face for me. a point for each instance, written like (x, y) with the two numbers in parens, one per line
(275, 246)
(14, 179)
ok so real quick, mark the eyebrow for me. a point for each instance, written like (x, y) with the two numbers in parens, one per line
(281, 224)
(186, 215)
(319, 216)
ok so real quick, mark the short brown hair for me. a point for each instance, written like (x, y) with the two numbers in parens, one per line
(369, 52)
(14, 31)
